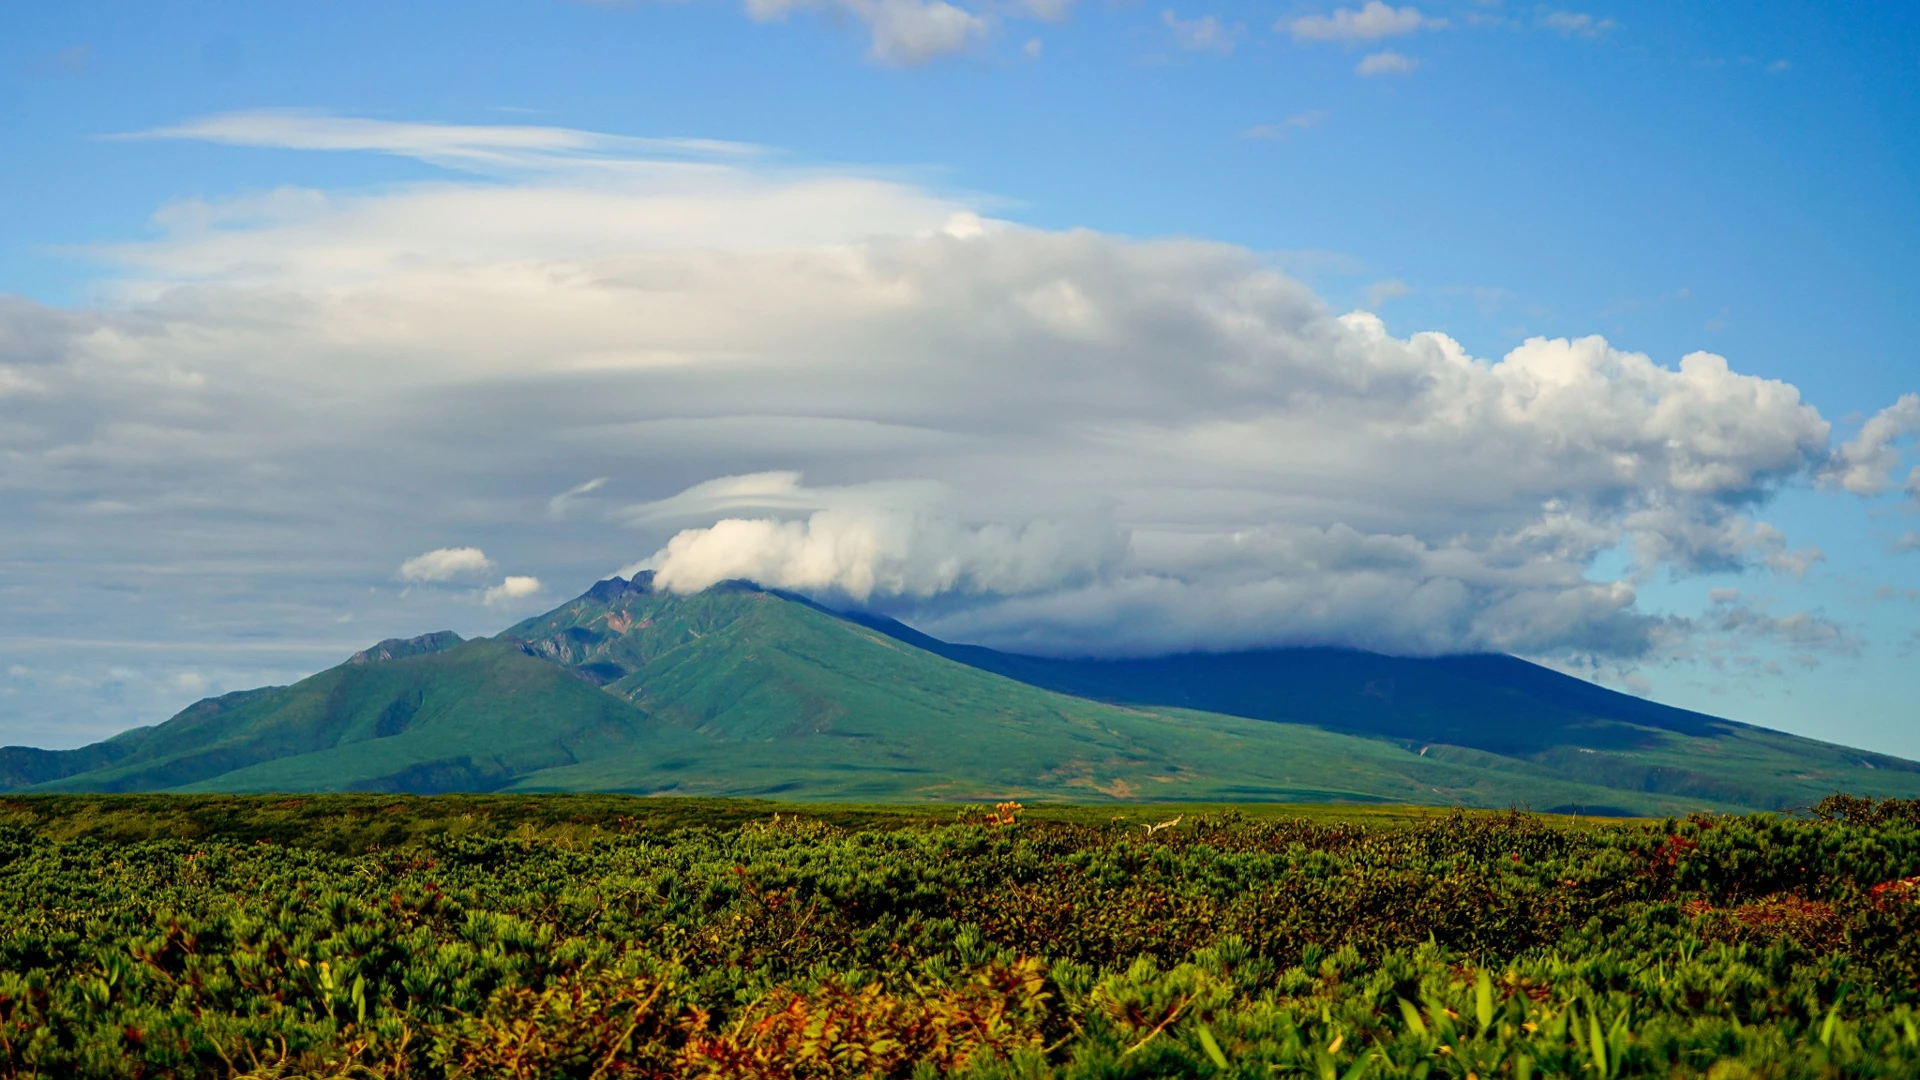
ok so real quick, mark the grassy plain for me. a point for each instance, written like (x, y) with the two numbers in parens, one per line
(358, 823)
(590, 936)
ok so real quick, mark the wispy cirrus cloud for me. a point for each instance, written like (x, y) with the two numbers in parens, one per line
(1300, 121)
(464, 146)
(559, 505)
(73, 60)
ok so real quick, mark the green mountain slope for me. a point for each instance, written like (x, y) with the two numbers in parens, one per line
(805, 703)
(1498, 704)
(466, 716)
(765, 668)
(743, 691)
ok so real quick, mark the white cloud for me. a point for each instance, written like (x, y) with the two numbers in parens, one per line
(1060, 440)
(1297, 122)
(13, 382)
(1370, 22)
(911, 32)
(892, 553)
(1032, 49)
(1572, 23)
(1381, 292)
(1674, 535)
(445, 564)
(575, 208)
(1865, 464)
(511, 589)
(1736, 619)
(1908, 542)
(1204, 34)
(903, 33)
(1793, 563)
(470, 146)
(778, 491)
(1913, 484)
(558, 506)
(1386, 62)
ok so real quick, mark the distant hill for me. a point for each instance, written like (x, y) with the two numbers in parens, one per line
(744, 691)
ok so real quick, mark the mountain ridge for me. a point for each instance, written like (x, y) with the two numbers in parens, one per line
(740, 690)
(400, 648)
(1215, 682)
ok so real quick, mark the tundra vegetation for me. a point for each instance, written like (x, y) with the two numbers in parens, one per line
(597, 937)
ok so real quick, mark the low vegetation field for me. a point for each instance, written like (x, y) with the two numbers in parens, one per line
(601, 937)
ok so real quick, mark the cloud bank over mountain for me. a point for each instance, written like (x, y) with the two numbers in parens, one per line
(696, 355)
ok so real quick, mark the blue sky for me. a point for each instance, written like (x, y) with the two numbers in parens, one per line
(1732, 179)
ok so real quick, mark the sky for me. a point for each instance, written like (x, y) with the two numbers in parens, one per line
(1065, 326)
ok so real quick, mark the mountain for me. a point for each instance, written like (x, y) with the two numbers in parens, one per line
(440, 715)
(745, 691)
(1500, 704)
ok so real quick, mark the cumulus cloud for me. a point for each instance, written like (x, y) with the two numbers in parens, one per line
(1674, 535)
(511, 589)
(1370, 22)
(1204, 34)
(1060, 440)
(1734, 623)
(1865, 464)
(1385, 62)
(900, 555)
(890, 539)
(1572, 23)
(445, 564)
(903, 33)
(1908, 542)
(1286, 585)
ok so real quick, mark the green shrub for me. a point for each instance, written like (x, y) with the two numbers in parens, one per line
(535, 943)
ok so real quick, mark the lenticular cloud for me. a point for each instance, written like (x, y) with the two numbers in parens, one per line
(843, 384)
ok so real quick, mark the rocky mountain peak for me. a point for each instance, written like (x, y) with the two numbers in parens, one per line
(613, 588)
(396, 648)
